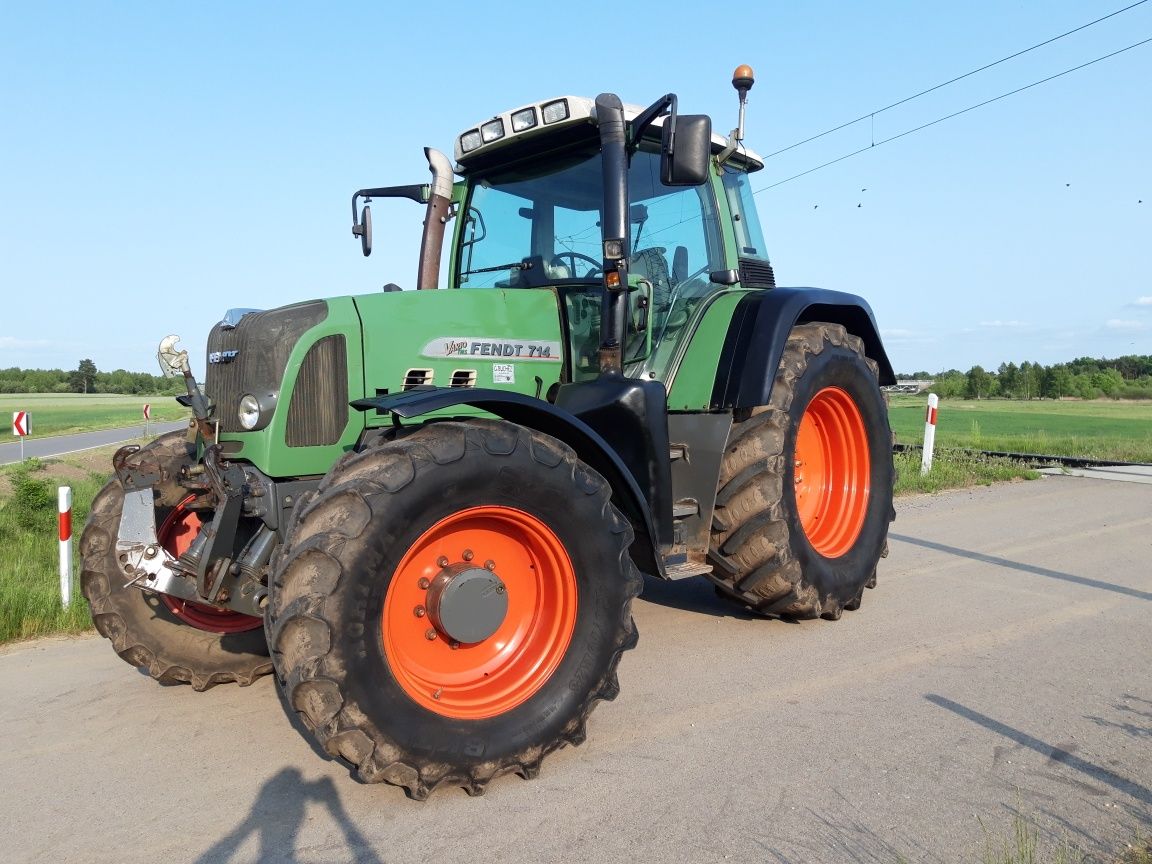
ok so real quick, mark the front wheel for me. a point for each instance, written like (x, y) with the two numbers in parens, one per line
(805, 491)
(451, 605)
(173, 640)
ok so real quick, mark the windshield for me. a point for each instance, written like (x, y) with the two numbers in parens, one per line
(539, 225)
(536, 226)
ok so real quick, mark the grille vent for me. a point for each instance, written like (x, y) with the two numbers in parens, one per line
(414, 378)
(756, 273)
(319, 409)
(463, 378)
(262, 342)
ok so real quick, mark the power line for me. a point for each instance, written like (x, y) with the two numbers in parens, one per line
(953, 114)
(953, 80)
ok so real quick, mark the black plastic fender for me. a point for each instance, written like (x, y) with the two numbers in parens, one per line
(537, 414)
(759, 328)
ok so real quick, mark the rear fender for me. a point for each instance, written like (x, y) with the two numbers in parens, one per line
(759, 329)
(544, 417)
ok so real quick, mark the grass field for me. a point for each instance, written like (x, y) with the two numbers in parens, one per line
(64, 413)
(1097, 430)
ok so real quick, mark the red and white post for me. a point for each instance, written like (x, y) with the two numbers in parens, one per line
(929, 433)
(64, 500)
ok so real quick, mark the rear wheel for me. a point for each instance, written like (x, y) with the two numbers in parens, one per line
(452, 605)
(171, 639)
(805, 493)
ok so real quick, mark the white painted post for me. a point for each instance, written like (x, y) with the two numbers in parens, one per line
(929, 433)
(64, 501)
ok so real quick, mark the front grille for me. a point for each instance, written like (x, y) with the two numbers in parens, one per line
(251, 357)
(756, 273)
(319, 409)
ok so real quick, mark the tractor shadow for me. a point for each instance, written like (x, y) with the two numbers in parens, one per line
(693, 595)
(275, 819)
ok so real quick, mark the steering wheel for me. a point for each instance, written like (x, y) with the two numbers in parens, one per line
(594, 269)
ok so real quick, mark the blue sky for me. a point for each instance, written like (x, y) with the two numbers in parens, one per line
(160, 163)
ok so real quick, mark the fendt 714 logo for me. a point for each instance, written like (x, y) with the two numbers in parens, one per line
(481, 346)
(222, 356)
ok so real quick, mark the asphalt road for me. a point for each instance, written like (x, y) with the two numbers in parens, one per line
(1000, 668)
(58, 445)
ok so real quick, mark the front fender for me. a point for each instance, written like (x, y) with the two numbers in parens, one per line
(759, 327)
(544, 417)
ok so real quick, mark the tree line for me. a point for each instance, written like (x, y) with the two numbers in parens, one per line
(86, 378)
(1128, 377)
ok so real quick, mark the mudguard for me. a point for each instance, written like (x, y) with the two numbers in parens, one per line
(759, 328)
(537, 414)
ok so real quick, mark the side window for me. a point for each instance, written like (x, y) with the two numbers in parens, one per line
(496, 233)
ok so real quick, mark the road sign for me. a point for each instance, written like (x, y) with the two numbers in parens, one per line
(147, 411)
(21, 423)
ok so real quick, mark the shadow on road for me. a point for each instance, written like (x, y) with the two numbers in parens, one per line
(692, 595)
(1054, 754)
(1026, 568)
(276, 817)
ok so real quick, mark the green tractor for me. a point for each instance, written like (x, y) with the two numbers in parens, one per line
(428, 511)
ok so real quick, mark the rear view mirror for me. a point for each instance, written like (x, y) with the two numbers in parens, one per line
(685, 149)
(363, 230)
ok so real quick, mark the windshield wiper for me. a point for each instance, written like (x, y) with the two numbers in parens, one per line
(515, 265)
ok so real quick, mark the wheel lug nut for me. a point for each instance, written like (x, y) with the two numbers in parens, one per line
(798, 463)
(430, 634)
(455, 645)
(799, 479)
(489, 564)
(442, 561)
(467, 556)
(438, 693)
(423, 583)
(419, 611)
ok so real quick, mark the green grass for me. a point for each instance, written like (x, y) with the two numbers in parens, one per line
(29, 546)
(955, 471)
(1096, 430)
(65, 413)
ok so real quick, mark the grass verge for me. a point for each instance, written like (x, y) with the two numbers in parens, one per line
(955, 471)
(29, 543)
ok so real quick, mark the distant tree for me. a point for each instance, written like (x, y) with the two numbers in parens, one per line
(978, 383)
(83, 380)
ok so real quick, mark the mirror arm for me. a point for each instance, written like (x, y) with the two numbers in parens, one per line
(664, 105)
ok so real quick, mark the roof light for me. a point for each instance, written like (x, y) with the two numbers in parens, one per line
(493, 130)
(470, 140)
(556, 111)
(523, 120)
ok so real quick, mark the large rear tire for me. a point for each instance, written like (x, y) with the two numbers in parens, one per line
(171, 640)
(452, 605)
(805, 490)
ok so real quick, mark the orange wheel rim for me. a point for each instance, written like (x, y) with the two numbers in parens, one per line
(176, 534)
(528, 565)
(832, 472)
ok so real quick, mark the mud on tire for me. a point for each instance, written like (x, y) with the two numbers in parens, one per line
(348, 616)
(786, 544)
(142, 628)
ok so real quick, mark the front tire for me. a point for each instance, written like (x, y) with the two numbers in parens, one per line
(805, 491)
(172, 640)
(452, 605)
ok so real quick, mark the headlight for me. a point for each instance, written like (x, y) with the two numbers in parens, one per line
(254, 413)
(493, 130)
(469, 141)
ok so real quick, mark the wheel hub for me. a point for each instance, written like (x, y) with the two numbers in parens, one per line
(467, 603)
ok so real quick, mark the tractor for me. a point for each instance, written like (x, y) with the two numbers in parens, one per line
(428, 511)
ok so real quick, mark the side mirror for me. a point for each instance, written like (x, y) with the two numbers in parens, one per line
(363, 230)
(685, 150)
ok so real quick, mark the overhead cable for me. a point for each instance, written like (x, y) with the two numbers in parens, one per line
(953, 80)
